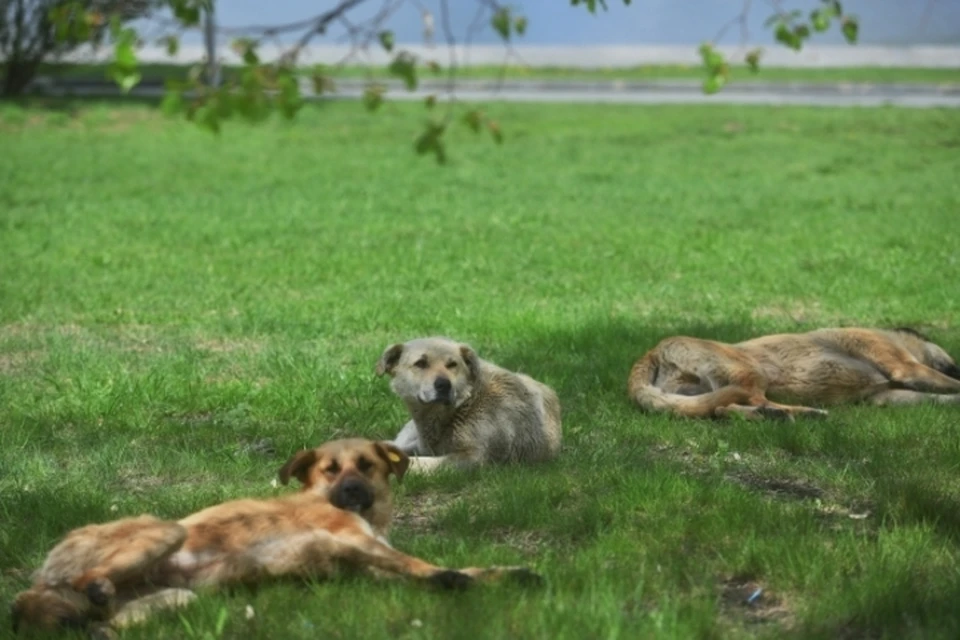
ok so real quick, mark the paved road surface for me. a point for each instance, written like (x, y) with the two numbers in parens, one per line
(617, 92)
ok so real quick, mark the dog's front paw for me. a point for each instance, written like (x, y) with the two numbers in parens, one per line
(450, 580)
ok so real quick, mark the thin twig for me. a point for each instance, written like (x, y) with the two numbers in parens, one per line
(452, 45)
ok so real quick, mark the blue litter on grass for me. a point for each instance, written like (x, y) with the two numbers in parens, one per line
(754, 595)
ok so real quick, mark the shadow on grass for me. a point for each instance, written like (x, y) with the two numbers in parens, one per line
(74, 104)
(900, 606)
(588, 366)
(595, 359)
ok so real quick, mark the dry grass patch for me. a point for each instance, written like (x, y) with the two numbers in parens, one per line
(746, 600)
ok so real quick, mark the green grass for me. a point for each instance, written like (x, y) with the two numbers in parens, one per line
(638, 73)
(170, 300)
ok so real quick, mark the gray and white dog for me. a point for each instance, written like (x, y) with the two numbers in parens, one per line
(466, 411)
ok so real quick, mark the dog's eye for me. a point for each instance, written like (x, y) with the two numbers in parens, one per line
(363, 465)
(452, 364)
(333, 468)
(421, 363)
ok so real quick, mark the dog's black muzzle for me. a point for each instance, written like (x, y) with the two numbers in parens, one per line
(352, 494)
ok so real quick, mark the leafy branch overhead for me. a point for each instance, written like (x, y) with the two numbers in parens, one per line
(258, 88)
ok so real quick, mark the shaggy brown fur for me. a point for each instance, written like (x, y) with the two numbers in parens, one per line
(701, 378)
(105, 576)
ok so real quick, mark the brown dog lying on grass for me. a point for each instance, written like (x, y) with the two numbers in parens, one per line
(702, 378)
(106, 576)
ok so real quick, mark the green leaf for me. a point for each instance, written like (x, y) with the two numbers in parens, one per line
(373, 97)
(430, 141)
(713, 84)
(850, 28)
(386, 39)
(172, 103)
(186, 11)
(787, 37)
(520, 25)
(127, 81)
(713, 60)
(124, 56)
(501, 22)
(288, 96)
(495, 131)
(206, 116)
(322, 83)
(173, 45)
(592, 4)
(820, 20)
(473, 119)
(246, 48)
(404, 66)
(802, 32)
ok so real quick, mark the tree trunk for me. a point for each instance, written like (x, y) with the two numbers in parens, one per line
(18, 74)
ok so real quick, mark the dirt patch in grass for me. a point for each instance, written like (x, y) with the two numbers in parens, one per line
(136, 481)
(834, 510)
(788, 488)
(747, 600)
(797, 311)
(528, 543)
(418, 514)
(30, 330)
(16, 362)
(224, 345)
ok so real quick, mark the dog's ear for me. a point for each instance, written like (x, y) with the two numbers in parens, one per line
(471, 360)
(389, 359)
(397, 459)
(298, 466)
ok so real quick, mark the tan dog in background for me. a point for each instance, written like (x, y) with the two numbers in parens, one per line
(107, 576)
(701, 378)
(466, 411)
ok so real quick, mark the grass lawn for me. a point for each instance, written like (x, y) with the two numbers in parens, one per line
(636, 74)
(180, 313)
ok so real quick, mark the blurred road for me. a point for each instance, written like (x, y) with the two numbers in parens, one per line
(610, 92)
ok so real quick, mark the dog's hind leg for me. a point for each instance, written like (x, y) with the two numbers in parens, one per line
(907, 397)
(139, 609)
(771, 411)
(919, 377)
(76, 584)
(126, 550)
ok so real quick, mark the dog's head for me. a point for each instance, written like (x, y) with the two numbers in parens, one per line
(353, 474)
(928, 352)
(430, 371)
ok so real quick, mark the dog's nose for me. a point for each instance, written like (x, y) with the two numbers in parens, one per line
(442, 386)
(352, 494)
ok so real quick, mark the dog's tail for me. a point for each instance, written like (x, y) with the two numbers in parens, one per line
(654, 399)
